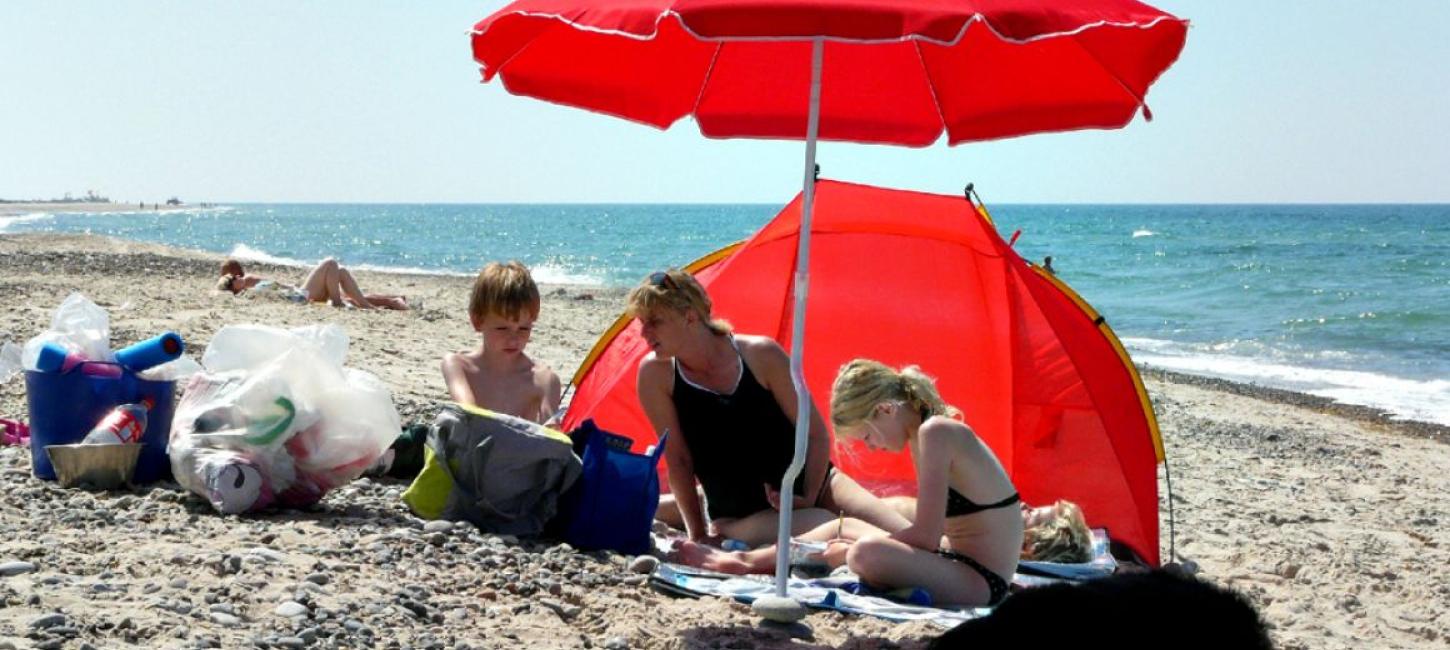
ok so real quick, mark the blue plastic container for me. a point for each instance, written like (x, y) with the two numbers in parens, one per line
(65, 406)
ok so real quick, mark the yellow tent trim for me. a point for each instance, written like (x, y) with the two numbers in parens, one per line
(1122, 354)
(623, 320)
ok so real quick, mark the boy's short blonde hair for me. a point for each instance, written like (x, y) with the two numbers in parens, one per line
(505, 289)
(1063, 538)
(676, 290)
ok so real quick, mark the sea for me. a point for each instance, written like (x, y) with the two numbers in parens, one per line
(1349, 302)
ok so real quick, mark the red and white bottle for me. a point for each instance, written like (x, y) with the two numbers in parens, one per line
(126, 424)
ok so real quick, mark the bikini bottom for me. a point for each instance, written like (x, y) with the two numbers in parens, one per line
(996, 585)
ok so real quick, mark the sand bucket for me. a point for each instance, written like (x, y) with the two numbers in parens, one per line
(64, 407)
(97, 467)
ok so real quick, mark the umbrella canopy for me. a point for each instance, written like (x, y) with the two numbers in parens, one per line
(895, 71)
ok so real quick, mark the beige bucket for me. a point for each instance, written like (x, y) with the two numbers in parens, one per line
(97, 467)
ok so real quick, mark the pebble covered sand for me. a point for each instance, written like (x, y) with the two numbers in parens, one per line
(1334, 521)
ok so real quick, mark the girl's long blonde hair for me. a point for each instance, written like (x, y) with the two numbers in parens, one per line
(861, 384)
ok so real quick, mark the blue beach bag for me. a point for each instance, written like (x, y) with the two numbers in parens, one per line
(613, 504)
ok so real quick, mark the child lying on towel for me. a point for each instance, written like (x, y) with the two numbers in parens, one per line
(968, 530)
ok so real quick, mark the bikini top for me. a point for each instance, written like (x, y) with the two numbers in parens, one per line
(958, 505)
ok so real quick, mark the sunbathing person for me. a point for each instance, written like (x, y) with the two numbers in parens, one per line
(968, 531)
(730, 407)
(327, 282)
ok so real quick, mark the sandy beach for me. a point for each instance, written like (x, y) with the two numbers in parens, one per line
(1333, 520)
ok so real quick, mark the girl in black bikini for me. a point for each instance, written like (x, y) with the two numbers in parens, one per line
(968, 531)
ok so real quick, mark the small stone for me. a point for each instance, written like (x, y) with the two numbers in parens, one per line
(564, 610)
(438, 526)
(291, 609)
(15, 568)
(56, 619)
(616, 643)
(318, 578)
(179, 583)
(778, 609)
(644, 564)
(290, 642)
(225, 619)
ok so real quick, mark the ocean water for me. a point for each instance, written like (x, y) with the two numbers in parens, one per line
(1350, 302)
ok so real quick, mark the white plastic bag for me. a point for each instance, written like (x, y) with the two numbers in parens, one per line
(10, 363)
(276, 418)
(83, 327)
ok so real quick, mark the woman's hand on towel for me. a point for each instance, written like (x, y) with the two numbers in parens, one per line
(772, 496)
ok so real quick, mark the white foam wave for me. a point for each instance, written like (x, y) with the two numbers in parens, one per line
(410, 270)
(1143, 233)
(554, 274)
(248, 254)
(7, 221)
(1412, 399)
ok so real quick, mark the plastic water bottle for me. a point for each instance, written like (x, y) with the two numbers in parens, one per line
(125, 424)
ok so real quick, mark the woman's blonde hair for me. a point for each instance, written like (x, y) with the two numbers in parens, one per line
(677, 290)
(1063, 538)
(861, 384)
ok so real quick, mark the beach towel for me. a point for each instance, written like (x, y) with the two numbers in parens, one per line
(501, 473)
(843, 591)
(833, 593)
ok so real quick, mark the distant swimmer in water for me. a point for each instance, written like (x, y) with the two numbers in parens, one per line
(1047, 265)
(327, 282)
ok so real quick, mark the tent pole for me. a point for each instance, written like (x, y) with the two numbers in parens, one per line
(798, 327)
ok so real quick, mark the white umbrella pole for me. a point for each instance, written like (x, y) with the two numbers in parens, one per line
(798, 328)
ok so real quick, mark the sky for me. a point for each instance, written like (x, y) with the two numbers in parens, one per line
(364, 102)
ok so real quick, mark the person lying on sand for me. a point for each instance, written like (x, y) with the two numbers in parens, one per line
(729, 406)
(968, 530)
(327, 282)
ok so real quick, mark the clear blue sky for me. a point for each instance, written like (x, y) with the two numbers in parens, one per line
(346, 101)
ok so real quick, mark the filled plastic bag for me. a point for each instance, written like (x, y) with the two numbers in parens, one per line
(275, 418)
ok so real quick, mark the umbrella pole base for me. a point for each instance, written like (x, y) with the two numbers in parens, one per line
(780, 609)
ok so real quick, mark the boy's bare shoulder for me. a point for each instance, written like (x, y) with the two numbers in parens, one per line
(463, 361)
(542, 373)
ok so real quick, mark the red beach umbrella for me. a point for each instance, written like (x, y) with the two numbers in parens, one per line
(871, 71)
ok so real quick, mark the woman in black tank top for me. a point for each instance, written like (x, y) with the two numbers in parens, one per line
(730, 402)
(739, 440)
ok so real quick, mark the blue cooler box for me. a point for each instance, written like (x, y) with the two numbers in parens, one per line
(65, 407)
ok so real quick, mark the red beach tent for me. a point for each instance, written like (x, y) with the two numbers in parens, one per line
(914, 278)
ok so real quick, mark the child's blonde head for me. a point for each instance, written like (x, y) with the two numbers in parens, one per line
(1064, 537)
(232, 267)
(861, 384)
(674, 290)
(504, 289)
